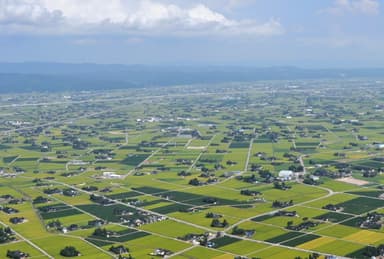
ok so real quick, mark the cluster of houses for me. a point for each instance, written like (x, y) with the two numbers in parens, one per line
(103, 232)
(101, 200)
(200, 239)
(302, 226)
(48, 209)
(17, 123)
(126, 216)
(66, 192)
(150, 119)
(6, 235)
(17, 254)
(119, 249)
(281, 204)
(372, 221)
(161, 252)
(248, 233)
(212, 215)
(286, 213)
(361, 137)
(57, 225)
(9, 210)
(280, 185)
(17, 220)
(140, 218)
(182, 132)
(6, 174)
(332, 207)
(197, 182)
(51, 191)
(96, 223)
(283, 176)
(247, 192)
(9, 199)
(71, 227)
(70, 192)
(103, 154)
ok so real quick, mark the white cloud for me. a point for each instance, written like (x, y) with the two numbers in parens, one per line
(367, 7)
(124, 16)
(26, 12)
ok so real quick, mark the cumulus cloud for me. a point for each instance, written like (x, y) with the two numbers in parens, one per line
(26, 12)
(367, 7)
(124, 16)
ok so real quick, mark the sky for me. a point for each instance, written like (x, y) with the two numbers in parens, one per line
(304, 33)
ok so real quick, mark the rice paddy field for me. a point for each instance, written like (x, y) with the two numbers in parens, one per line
(260, 170)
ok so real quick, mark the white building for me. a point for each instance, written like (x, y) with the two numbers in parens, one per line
(286, 175)
(315, 178)
(112, 175)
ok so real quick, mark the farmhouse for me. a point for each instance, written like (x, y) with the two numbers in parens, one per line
(96, 223)
(302, 226)
(15, 201)
(198, 239)
(161, 252)
(17, 254)
(360, 137)
(249, 233)
(119, 249)
(70, 192)
(73, 227)
(17, 220)
(6, 197)
(286, 213)
(10, 210)
(332, 207)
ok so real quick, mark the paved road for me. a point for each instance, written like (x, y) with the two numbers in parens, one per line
(200, 154)
(302, 164)
(249, 154)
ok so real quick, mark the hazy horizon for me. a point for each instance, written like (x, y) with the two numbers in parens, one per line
(257, 33)
(195, 65)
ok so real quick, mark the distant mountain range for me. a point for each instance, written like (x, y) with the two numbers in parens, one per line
(28, 77)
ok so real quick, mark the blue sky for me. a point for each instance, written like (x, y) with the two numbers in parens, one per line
(306, 33)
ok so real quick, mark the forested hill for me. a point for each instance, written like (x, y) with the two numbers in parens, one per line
(27, 77)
